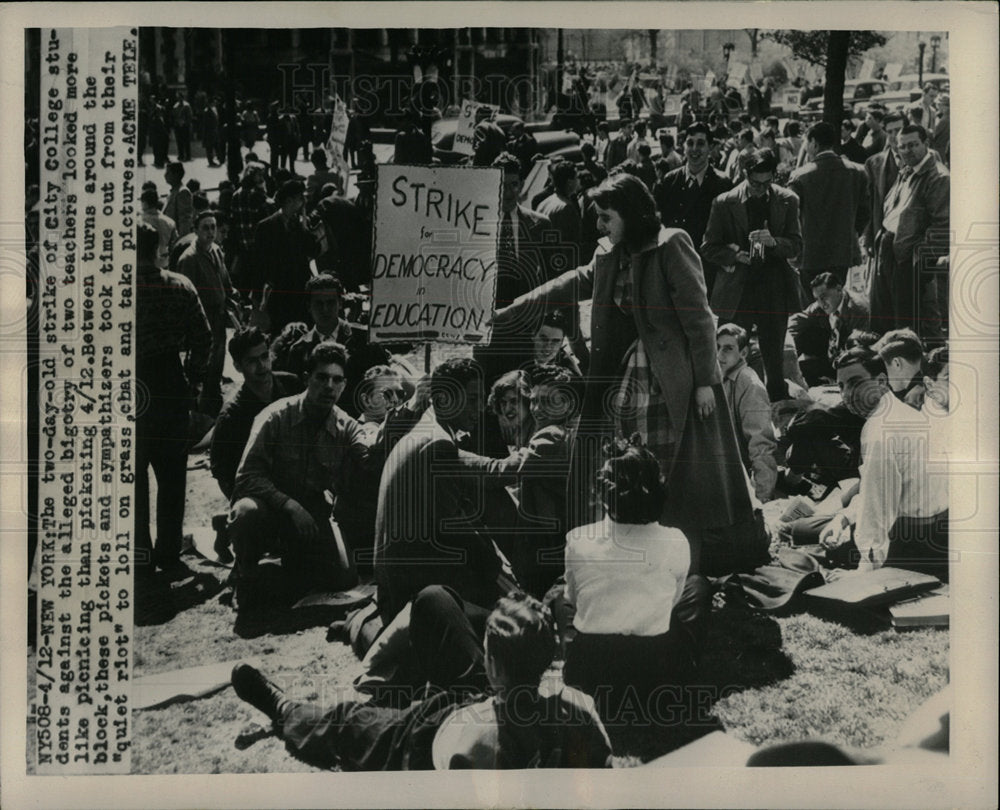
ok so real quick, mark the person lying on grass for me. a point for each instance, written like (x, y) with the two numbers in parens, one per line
(481, 707)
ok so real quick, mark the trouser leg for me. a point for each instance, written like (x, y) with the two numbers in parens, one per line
(447, 646)
(905, 296)
(170, 466)
(771, 332)
(143, 540)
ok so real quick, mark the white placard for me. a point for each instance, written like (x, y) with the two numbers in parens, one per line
(467, 124)
(434, 264)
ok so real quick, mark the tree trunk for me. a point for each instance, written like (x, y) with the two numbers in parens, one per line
(754, 35)
(836, 71)
(653, 34)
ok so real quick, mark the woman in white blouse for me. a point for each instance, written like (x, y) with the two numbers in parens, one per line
(639, 616)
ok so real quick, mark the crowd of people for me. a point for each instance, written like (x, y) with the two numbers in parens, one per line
(564, 492)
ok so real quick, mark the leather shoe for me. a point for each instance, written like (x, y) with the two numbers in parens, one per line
(251, 686)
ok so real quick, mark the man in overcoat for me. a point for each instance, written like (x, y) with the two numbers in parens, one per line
(752, 233)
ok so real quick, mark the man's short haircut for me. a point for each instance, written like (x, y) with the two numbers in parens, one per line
(506, 162)
(861, 337)
(149, 184)
(602, 126)
(329, 351)
(667, 141)
(562, 174)
(251, 175)
(826, 280)
(372, 376)
(587, 149)
(325, 282)
(175, 167)
(631, 484)
(556, 318)
(936, 362)
(746, 135)
(772, 121)
(288, 190)
(448, 383)
(150, 198)
(734, 331)
(245, 338)
(900, 343)
(318, 157)
(625, 122)
(761, 160)
(892, 118)
(520, 638)
(640, 127)
(911, 129)
(792, 129)
(877, 114)
(147, 242)
(644, 150)
(863, 356)
(567, 399)
(824, 134)
(203, 215)
(516, 380)
(697, 127)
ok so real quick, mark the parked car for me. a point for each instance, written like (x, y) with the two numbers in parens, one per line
(857, 93)
(550, 142)
(906, 89)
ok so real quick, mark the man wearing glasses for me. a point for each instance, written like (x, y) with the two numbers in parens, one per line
(302, 452)
(752, 233)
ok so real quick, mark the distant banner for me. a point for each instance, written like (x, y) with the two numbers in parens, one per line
(892, 71)
(793, 98)
(672, 105)
(467, 121)
(434, 264)
(738, 72)
(338, 137)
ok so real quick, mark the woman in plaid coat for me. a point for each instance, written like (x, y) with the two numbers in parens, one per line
(654, 370)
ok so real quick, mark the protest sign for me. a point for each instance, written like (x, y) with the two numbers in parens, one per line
(338, 137)
(792, 99)
(737, 72)
(756, 71)
(672, 104)
(434, 262)
(467, 120)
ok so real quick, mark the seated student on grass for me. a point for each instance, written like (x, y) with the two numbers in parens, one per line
(749, 408)
(549, 344)
(640, 617)
(482, 706)
(902, 351)
(899, 516)
(301, 453)
(509, 402)
(250, 350)
(539, 470)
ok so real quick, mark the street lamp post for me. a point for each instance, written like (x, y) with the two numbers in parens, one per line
(935, 44)
(920, 73)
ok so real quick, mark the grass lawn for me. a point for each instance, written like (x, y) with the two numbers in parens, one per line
(766, 679)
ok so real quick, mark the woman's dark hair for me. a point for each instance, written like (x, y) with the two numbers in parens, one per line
(516, 380)
(629, 196)
(632, 485)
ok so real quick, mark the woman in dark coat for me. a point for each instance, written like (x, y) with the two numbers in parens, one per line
(653, 369)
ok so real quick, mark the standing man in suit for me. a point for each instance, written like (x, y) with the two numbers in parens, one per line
(914, 235)
(833, 207)
(284, 248)
(527, 248)
(882, 170)
(427, 529)
(821, 331)
(752, 233)
(180, 205)
(684, 196)
(617, 151)
(941, 134)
